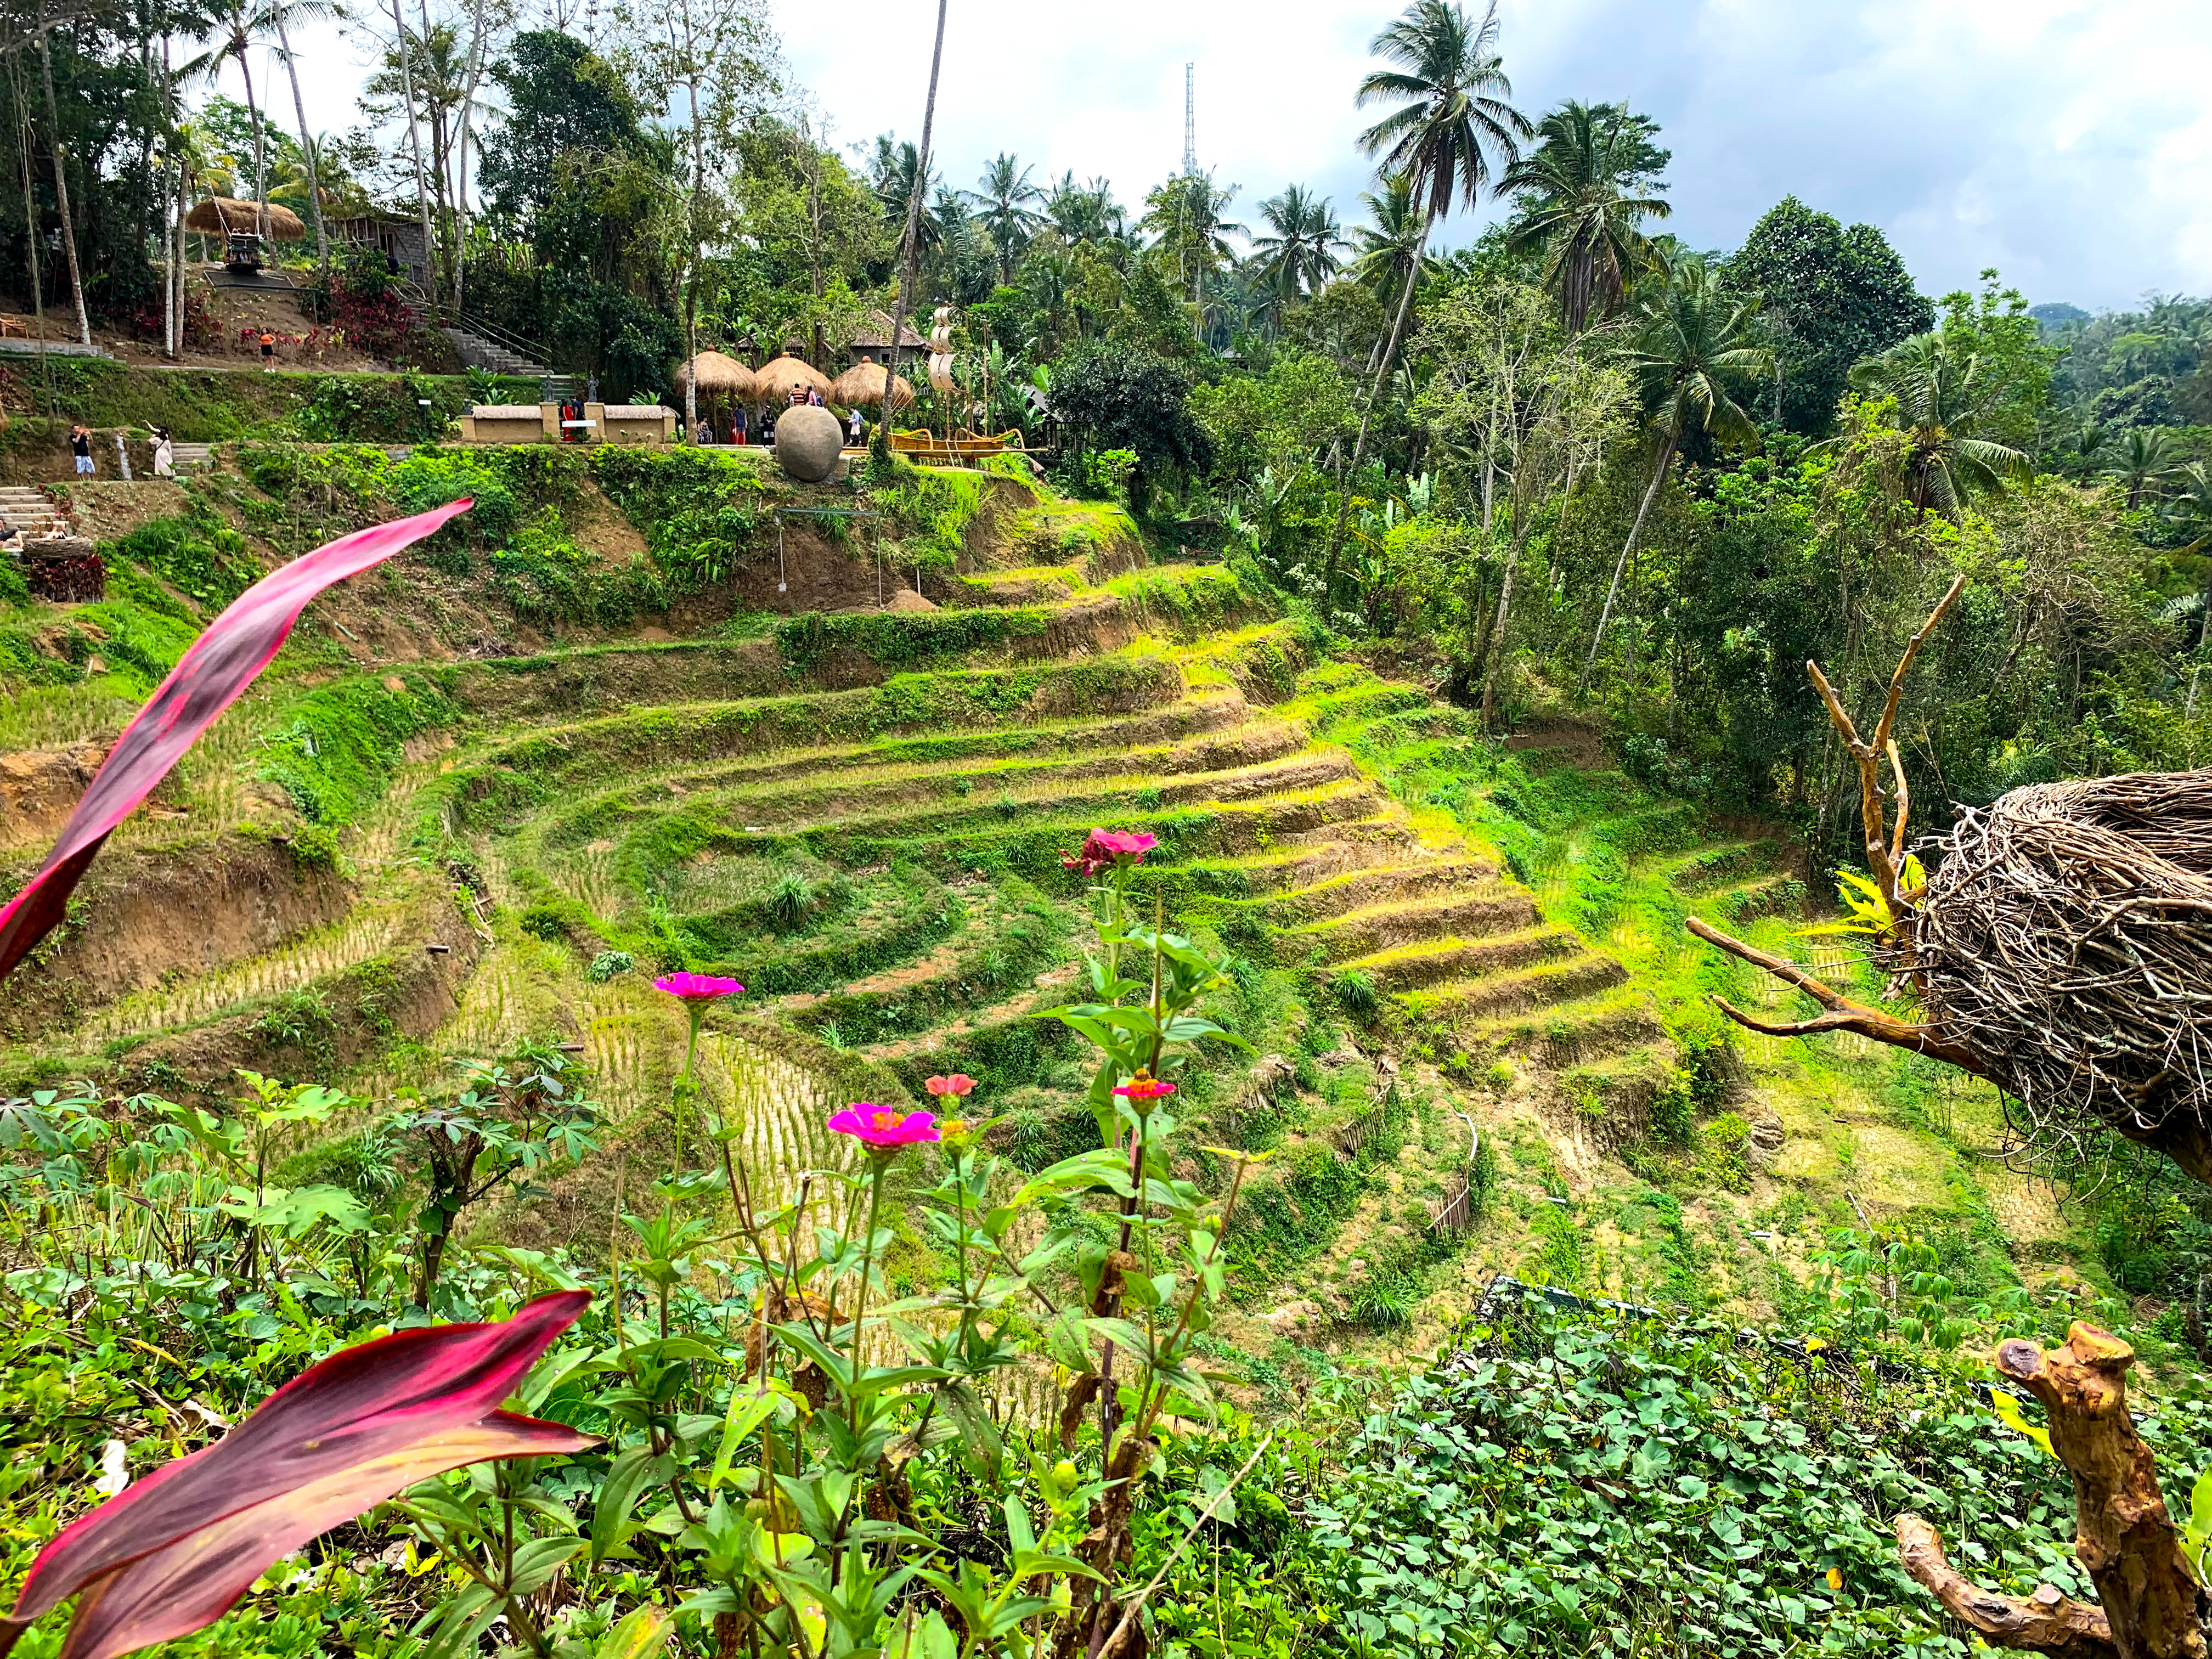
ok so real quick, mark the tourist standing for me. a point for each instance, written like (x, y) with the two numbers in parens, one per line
(164, 459)
(738, 428)
(81, 447)
(853, 429)
(268, 352)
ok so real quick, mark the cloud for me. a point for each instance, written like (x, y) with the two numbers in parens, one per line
(2066, 143)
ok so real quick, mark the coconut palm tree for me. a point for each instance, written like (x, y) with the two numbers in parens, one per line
(1944, 403)
(1299, 254)
(1385, 251)
(2143, 461)
(1584, 201)
(1696, 342)
(1450, 87)
(1004, 200)
(278, 16)
(1185, 217)
(234, 28)
(1084, 213)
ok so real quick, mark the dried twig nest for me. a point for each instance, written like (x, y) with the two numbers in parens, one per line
(2065, 937)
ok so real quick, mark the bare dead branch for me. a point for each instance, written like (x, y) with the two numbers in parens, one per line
(2045, 1622)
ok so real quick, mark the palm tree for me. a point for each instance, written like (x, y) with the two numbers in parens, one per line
(2144, 461)
(1695, 344)
(1185, 215)
(1943, 404)
(279, 15)
(908, 250)
(1579, 203)
(1006, 190)
(893, 175)
(1449, 86)
(1300, 254)
(1084, 213)
(1386, 250)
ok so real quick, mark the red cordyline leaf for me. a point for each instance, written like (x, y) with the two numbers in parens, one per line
(171, 1554)
(211, 676)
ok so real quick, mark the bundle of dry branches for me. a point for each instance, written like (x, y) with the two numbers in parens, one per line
(2065, 938)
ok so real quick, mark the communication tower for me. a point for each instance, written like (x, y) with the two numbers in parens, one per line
(1190, 120)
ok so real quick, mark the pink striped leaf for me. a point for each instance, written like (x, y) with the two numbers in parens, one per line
(172, 1554)
(210, 677)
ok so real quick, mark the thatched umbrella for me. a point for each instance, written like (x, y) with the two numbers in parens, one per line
(863, 383)
(720, 375)
(772, 381)
(221, 216)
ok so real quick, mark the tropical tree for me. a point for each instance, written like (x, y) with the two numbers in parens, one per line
(1696, 344)
(279, 16)
(1450, 87)
(1945, 400)
(1300, 252)
(1084, 213)
(1003, 200)
(234, 28)
(893, 172)
(1585, 190)
(2143, 461)
(1186, 218)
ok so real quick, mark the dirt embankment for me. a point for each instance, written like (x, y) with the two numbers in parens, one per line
(405, 993)
(145, 914)
(41, 788)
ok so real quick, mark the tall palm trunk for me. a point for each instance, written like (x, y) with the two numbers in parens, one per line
(477, 55)
(260, 167)
(169, 250)
(414, 139)
(1375, 391)
(61, 192)
(907, 251)
(1635, 534)
(698, 258)
(306, 142)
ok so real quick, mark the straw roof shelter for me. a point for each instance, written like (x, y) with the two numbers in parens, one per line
(719, 375)
(221, 216)
(772, 381)
(863, 383)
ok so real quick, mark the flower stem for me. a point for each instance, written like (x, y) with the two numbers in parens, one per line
(879, 1167)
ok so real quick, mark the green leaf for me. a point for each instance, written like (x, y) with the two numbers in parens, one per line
(2008, 1410)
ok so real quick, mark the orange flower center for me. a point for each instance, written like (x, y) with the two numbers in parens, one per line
(888, 1120)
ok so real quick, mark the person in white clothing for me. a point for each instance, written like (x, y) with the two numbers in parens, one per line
(165, 460)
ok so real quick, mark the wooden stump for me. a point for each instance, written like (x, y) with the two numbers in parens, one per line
(2152, 1606)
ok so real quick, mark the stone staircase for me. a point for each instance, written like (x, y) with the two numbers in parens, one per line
(32, 511)
(479, 351)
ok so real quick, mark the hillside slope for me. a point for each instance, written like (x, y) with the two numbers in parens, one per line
(623, 728)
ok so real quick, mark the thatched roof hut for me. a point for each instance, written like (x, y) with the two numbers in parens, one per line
(772, 381)
(222, 216)
(863, 383)
(719, 375)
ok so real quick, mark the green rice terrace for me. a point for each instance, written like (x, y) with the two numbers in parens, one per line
(649, 712)
(476, 806)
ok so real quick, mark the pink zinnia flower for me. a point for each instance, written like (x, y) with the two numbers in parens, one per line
(864, 1120)
(172, 1554)
(697, 988)
(1104, 846)
(1144, 1086)
(958, 1083)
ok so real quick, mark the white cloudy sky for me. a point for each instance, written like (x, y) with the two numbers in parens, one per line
(2069, 143)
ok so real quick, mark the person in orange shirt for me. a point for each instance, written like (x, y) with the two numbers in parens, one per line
(268, 352)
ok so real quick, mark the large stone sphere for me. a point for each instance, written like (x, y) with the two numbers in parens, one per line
(808, 440)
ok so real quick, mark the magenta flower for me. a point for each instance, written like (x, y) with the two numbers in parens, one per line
(958, 1083)
(1104, 846)
(1144, 1086)
(173, 1553)
(210, 677)
(697, 987)
(864, 1120)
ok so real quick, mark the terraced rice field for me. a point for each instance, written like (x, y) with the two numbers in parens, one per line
(869, 834)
